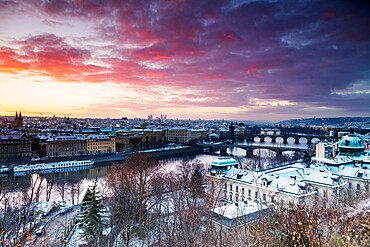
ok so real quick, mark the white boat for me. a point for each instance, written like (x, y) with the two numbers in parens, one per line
(4, 169)
(55, 165)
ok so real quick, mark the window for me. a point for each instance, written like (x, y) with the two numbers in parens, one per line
(231, 187)
(249, 192)
(242, 190)
(231, 197)
(225, 186)
(325, 193)
(272, 199)
(256, 195)
(237, 189)
(350, 185)
(264, 197)
(358, 186)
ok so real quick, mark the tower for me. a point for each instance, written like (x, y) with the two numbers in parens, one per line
(18, 120)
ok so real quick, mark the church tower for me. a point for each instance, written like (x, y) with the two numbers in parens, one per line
(18, 120)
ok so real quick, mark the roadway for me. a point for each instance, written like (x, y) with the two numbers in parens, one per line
(55, 224)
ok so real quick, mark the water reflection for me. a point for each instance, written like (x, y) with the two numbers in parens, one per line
(18, 183)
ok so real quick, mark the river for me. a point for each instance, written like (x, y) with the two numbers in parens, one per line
(86, 176)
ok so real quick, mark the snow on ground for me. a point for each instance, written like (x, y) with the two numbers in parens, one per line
(44, 207)
(361, 207)
(76, 239)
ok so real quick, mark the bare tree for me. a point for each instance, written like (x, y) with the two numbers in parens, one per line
(71, 191)
(130, 189)
(61, 188)
(50, 182)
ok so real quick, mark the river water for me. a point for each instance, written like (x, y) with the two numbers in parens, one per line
(86, 176)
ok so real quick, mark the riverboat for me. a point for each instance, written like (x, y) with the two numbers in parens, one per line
(55, 165)
(4, 169)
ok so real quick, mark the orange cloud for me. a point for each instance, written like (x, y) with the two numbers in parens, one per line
(162, 57)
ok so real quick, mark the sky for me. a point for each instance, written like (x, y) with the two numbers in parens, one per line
(208, 59)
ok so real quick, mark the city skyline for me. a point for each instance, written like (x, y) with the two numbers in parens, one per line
(247, 60)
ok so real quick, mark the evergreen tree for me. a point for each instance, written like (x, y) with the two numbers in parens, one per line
(91, 208)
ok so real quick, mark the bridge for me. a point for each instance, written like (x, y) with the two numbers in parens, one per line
(222, 146)
(296, 137)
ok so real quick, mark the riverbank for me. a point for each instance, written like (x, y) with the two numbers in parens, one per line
(116, 157)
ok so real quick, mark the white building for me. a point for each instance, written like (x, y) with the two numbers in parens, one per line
(288, 184)
(324, 150)
(352, 164)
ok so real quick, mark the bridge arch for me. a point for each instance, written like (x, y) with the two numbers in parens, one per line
(237, 151)
(303, 140)
(268, 139)
(279, 139)
(315, 140)
(290, 139)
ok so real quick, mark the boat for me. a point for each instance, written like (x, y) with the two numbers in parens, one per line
(55, 165)
(4, 169)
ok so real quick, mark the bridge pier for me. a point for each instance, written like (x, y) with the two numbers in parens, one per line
(296, 140)
(250, 139)
(223, 151)
(249, 152)
(262, 139)
(273, 139)
(285, 140)
(309, 140)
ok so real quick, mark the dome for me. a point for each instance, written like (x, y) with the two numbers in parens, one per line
(352, 142)
(351, 145)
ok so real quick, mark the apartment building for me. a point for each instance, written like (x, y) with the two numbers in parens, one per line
(65, 145)
(14, 146)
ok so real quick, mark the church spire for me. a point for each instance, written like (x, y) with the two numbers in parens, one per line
(16, 114)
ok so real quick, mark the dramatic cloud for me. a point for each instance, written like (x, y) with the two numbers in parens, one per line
(243, 59)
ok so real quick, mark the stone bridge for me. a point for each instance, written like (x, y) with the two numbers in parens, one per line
(249, 148)
(309, 138)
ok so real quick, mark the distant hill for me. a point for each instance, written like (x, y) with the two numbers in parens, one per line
(338, 121)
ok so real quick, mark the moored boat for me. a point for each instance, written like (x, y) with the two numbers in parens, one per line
(55, 165)
(4, 169)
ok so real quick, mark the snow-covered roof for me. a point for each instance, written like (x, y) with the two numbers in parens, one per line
(290, 179)
(235, 210)
(224, 161)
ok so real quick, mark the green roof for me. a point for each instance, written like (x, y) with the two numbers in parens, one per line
(352, 141)
(224, 162)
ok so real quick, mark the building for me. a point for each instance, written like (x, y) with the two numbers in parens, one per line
(122, 142)
(184, 135)
(237, 214)
(98, 144)
(352, 163)
(324, 150)
(14, 146)
(65, 145)
(18, 120)
(293, 183)
(127, 141)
